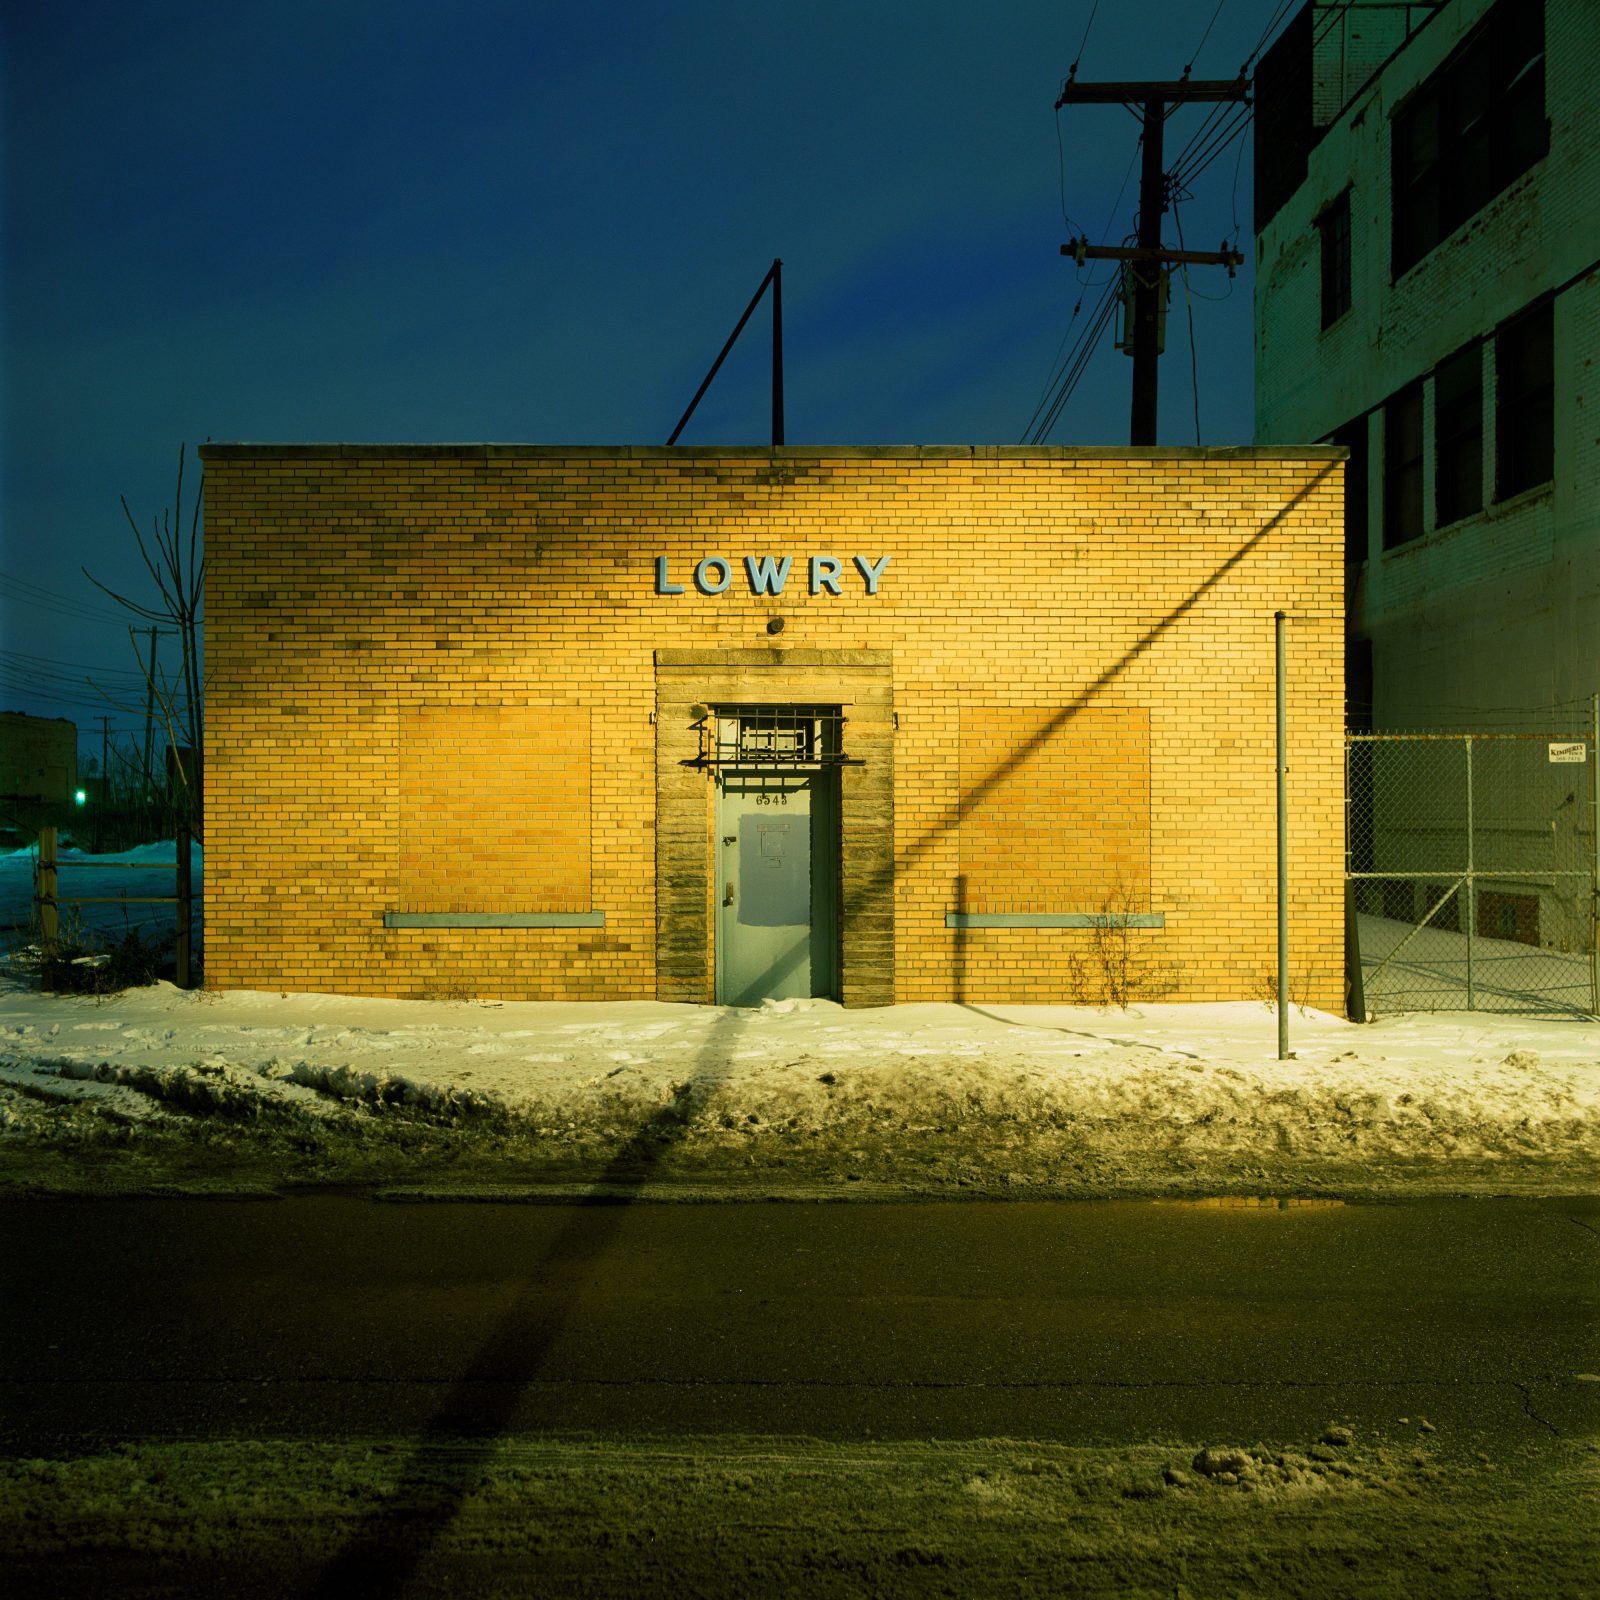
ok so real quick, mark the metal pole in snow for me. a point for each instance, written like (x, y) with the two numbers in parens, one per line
(1472, 884)
(1594, 897)
(183, 953)
(1283, 859)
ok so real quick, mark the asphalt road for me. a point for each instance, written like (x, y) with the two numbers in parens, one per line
(1083, 1323)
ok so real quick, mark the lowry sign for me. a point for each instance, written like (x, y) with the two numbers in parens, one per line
(768, 574)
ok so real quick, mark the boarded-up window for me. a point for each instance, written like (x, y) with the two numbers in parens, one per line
(1055, 808)
(494, 808)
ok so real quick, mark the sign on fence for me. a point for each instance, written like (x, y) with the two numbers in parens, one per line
(1472, 861)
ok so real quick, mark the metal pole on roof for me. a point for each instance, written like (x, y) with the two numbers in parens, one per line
(777, 352)
(1283, 857)
(777, 356)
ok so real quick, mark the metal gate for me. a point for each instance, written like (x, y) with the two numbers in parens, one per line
(1472, 864)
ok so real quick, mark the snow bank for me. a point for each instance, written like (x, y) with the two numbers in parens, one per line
(1047, 1098)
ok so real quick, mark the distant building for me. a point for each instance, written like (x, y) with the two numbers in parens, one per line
(1428, 294)
(38, 758)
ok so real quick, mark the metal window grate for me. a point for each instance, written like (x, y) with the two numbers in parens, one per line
(771, 736)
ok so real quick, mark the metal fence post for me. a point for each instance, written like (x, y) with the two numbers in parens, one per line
(1283, 859)
(1471, 885)
(49, 908)
(1594, 882)
(181, 954)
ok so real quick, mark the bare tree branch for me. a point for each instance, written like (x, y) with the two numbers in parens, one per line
(179, 578)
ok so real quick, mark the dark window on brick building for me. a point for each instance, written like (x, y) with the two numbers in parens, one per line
(1353, 436)
(1334, 226)
(1524, 414)
(1402, 467)
(1458, 435)
(1477, 124)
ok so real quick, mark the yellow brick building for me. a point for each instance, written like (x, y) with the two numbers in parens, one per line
(898, 724)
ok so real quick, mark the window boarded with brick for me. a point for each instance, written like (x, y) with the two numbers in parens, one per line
(494, 808)
(1055, 808)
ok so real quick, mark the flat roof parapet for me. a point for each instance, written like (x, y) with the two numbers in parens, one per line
(888, 452)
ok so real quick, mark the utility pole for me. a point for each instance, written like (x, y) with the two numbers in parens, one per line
(105, 776)
(1148, 261)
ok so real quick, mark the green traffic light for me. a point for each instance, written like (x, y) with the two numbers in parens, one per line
(80, 795)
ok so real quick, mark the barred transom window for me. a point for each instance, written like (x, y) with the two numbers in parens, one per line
(771, 736)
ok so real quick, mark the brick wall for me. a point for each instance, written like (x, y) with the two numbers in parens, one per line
(442, 679)
(1057, 809)
(495, 807)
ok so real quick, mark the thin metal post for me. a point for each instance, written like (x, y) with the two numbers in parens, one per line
(1283, 858)
(1472, 888)
(722, 355)
(1594, 884)
(777, 352)
(49, 907)
(1355, 1006)
(181, 954)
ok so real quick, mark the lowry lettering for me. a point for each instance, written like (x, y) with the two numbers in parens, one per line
(768, 575)
(824, 574)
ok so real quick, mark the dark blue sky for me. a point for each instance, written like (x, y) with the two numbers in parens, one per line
(403, 221)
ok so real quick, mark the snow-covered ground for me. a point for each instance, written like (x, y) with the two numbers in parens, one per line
(160, 1086)
(1407, 968)
(291, 1088)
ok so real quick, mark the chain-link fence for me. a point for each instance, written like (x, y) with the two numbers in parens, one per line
(1472, 864)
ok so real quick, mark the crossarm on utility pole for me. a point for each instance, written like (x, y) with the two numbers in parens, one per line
(1174, 93)
(1081, 250)
(1146, 264)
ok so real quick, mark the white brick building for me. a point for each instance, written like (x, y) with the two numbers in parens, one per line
(1428, 293)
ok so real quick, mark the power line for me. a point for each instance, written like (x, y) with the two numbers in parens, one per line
(1194, 55)
(94, 706)
(45, 666)
(1077, 363)
(1220, 113)
(1072, 71)
(1206, 146)
(1050, 397)
(1061, 175)
(1285, 7)
(1188, 302)
(1205, 133)
(34, 594)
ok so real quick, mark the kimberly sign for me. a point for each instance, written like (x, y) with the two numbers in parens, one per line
(768, 574)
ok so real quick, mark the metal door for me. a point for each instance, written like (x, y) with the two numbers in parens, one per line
(776, 873)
